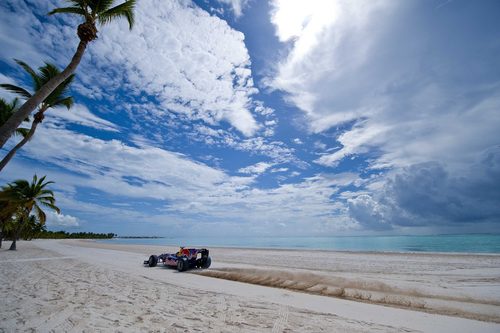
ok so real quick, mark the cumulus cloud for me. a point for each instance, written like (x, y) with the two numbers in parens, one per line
(177, 55)
(390, 82)
(427, 194)
(190, 62)
(61, 220)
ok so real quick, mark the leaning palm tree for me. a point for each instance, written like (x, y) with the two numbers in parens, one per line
(28, 197)
(92, 11)
(57, 98)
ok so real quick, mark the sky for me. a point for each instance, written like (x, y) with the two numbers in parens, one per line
(268, 118)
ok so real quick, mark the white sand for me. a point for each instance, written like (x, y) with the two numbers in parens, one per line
(85, 286)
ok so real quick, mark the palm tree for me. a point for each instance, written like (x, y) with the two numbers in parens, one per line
(32, 228)
(28, 197)
(7, 211)
(56, 98)
(7, 110)
(92, 11)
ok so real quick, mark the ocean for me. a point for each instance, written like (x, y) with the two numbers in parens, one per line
(475, 243)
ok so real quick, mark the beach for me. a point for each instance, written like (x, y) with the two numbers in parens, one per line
(73, 285)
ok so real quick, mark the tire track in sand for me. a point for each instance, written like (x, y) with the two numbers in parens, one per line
(280, 323)
(221, 308)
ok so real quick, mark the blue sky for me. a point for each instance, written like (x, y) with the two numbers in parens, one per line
(272, 118)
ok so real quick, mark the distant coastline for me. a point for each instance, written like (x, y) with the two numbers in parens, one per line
(139, 237)
(474, 243)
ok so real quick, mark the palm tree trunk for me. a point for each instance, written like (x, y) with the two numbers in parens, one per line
(16, 237)
(13, 245)
(28, 137)
(24, 111)
(18, 230)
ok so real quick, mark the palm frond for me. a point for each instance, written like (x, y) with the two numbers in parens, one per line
(103, 5)
(22, 132)
(34, 76)
(7, 109)
(68, 10)
(92, 4)
(60, 92)
(40, 181)
(43, 191)
(51, 206)
(126, 10)
(16, 90)
(67, 102)
(24, 196)
(48, 198)
(21, 183)
(78, 3)
(40, 214)
(46, 192)
(4, 105)
(47, 72)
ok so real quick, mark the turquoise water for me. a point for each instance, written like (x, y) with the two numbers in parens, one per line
(438, 243)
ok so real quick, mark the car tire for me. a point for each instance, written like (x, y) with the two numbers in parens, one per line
(182, 264)
(153, 260)
(206, 263)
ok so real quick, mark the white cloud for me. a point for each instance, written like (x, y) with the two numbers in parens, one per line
(276, 150)
(318, 145)
(17, 42)
(387, 79)
(79, 114)
(263, 110)
(363, 70)
(61, 220)
(302, 20)
(178, 55)
(257, 168)
(236, 5)
(182, 190)
(330, 40)
(192, 63)
(426, 194)
(298, 141)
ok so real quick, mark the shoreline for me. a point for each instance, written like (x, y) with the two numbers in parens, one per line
(116, 278)
(296, 249)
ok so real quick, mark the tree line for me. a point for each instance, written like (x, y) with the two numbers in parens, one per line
(33, 230)
(73, 235)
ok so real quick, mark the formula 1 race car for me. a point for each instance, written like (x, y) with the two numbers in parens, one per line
(184, 259)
